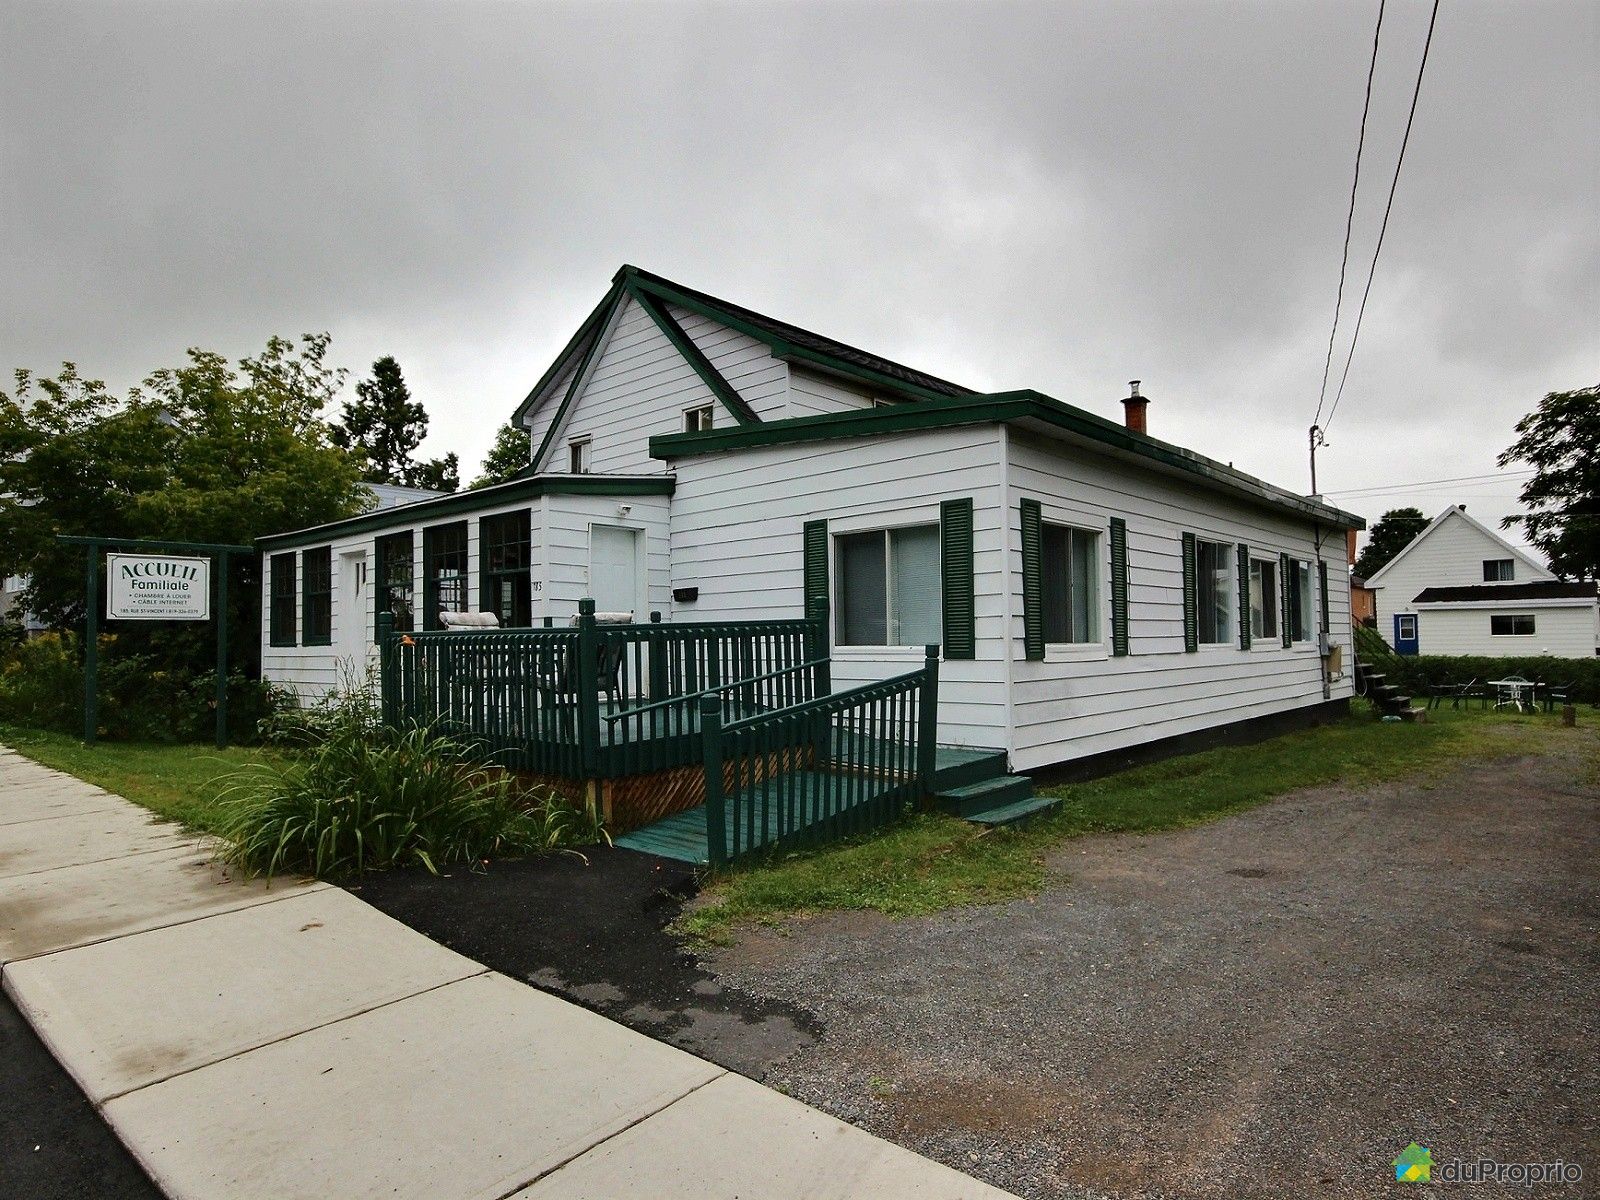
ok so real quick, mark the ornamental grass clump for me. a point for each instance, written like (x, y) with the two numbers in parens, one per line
(363, 801)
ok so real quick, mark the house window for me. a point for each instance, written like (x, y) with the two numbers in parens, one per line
(1069, 584)
(1263, 598)
(280, 629)
(889, 591)
(697, 419)
(1511, 625)
(578, 456)
(444, 571)
(395, 580)
(1499, 570)
(1299, 614)
(1405, 628)
(506, 546)
(316, 596)
(1214, 569)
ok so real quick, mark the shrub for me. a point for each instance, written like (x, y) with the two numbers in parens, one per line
(352, 712)
(363, 800)
(140, 698)
(41, 683)
(1414, 674)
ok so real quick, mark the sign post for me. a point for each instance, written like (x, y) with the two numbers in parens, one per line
(155, 581)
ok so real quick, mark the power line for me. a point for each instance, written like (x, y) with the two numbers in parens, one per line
(1400, 487)
(1350, 216)
(1387, 208)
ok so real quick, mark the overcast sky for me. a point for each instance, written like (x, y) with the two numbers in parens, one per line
(1054, 196)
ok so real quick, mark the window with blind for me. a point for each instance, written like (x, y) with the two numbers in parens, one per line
(889, 588)
(395, 592)
(1069, 581)
(1263, 598)
(1299, 614)
(1214, 570)
(280, 616)
(505, 545)
(316, 596)
(444, 571)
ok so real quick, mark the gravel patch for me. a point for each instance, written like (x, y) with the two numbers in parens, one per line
(1271, 1005)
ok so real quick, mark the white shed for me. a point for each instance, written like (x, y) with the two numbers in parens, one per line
(1458, 587)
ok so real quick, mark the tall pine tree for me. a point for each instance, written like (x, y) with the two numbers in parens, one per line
(384, 425)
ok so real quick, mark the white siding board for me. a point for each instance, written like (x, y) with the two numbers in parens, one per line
(811, 394)
(638, 387)
(1561, 632)
(1084, 704)
(737, 528)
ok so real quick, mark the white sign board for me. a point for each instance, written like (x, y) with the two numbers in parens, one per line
(157, 587)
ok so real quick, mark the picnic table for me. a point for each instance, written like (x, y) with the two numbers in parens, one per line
(1514, 691)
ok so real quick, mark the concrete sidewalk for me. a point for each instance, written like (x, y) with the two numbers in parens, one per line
(246, 1041)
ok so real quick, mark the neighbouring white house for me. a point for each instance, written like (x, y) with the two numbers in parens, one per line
(1458, 587)
(1093, 588)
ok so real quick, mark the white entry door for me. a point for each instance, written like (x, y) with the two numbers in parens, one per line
(350, 637)
(616, 574)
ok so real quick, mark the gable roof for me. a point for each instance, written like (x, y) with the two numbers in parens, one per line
(786, 342)
(940, 402)
(1455, 510)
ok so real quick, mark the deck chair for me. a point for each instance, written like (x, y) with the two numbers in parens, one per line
(557, 672)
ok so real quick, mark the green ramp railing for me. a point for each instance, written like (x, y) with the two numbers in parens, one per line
(819, 770)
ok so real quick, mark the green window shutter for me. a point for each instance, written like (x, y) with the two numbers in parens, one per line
(1191, 597)
(1119, 587)
(1285, 624)
(1322, 587)
(955, 557)
(1244, 596)
(816, 565)
(1032, 581)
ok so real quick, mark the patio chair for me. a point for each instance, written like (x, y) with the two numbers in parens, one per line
(1558, 695)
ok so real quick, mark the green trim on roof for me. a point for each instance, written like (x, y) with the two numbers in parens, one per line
(1000, 407)
(693, 355)
(781, 348)
(573, 343)
(577, 381)
(403, 516)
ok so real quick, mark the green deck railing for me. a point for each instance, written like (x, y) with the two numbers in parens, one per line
(821, 769)
(598, 701)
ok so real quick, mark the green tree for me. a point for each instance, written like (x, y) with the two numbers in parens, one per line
(508, 455)
(384, 425)
(1559, 440)
(1391, 534)
(204, 452)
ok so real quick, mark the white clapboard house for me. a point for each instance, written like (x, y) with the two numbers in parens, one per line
(1458, 587)
(1093, 588)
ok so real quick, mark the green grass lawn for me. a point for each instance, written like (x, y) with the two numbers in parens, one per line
(179, 782)
(932, 861)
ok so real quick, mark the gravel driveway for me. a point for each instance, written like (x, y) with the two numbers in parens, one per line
(1271, 1005)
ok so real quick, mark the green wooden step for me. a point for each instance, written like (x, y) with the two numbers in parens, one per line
(1006, 814)
(958, 766)
(985, 794)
